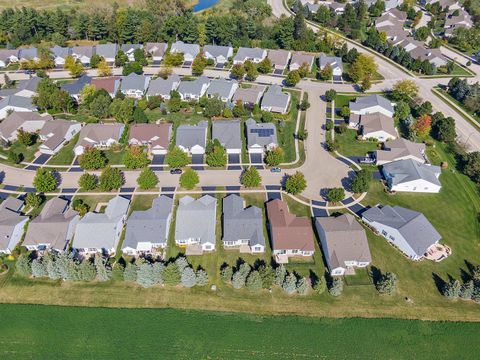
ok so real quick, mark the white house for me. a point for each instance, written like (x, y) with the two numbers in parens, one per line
(412, 176)
(99, 136)
(219, 54)
(8, 57)
(227, 132)
(261, 137)
(375, 126)
(12, 224)
(254, 55)
(192, 139)
(30, 121)
(371, 104)
(56, 133)
(194, 89)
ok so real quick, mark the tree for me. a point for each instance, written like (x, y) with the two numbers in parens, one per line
(22, 266)
(110, 179)
(274, 157)
(422, 33)
(130, 272)
(176, 158)
(132, 67)
(202, 277)
(362, 68)
(145, 275)
(254, 281)
(26, 138)
(330, 95)
(251, 71)
(92, 159)
(345, 112)
(213, 107)
(280, 273)
(122, 109)
(171, 274)
(95, 60)
(267, 274)
(189, 278)
(147, 179)
(265, 66)
(404, 90)
(189, 179)
(335, 195)
(139, 116)
(173, 59)
(74, 67)
(103, 69)
(199, 64)
(38, 268)
(240, 276)
(135, 157)
(237, 72)
(88, 181)
(466, 291)
(251, 178)
(86, 271)
(239, 109)
(471, 166)
(104, 273)
(293, 78)
(15, 157)
(296, 183)
(320, 285)
(302, 286)
(226, 274)
(304, 105)
(444, 129)
(33, 200)
(326, 73)
(402, 110)
(387, 284)
(290, 284)
(139, 56)
(422, 126)
(452, 289)
(361, 181)
(336, 287)
(216, 154)
(45, 180)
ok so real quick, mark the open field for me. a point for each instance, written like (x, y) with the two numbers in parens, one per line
(40, 4)
(173, 334)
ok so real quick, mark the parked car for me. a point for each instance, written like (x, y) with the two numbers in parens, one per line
(176, 171)
(366, 160)
(275, 170)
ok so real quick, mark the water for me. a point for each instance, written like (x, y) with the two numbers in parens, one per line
(204, 4)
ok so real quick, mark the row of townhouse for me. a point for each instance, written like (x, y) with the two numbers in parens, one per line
(338, 8)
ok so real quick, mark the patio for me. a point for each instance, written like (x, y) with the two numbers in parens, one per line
(438, 252)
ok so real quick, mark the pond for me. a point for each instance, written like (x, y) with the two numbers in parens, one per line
(204, 4)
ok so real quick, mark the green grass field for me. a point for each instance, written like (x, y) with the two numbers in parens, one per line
(348, 145)
(47, 332)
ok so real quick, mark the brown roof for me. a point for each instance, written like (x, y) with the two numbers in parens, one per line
(154, 134)
(279, 57)
(288, 231)
(377, 122)
(108, 84)
(16, 119)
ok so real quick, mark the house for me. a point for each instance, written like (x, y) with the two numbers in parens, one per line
(59, 54)
(29, 121)
(312, 7)
(189, 51)
(418, 51)
(192, 138)
(219, 54)
(400, 149)
(28, 54)
(98, 136)
(254, 55)
(53, 228)
(100, 232)
(148, 230)
(227, 132)
(392, 18)
(156, 51)
(337, 8)
(444, 4)
(299, 59)
(290, 235)
(408, 230)
(25, 88)
(129, 50)
(260, 136)
(109, 84)
(279, 58)
(15, 103)
(134, 85)
(12, 224)
(8, 57)
(275, 100)
(75, 88)
(249, 97)
(335, 63)
(371, 104)
(163, 87)
(55, 134)
(375, 126)
(222, 88)
(452, 22)
(193, 89)
(242, 226)
(155, 136)
(107, 51)
(195, 224)
(412, 176)
(83, 54)
(344, 244)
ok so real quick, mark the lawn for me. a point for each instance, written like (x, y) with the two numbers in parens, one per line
(27, 151)
(286, 129)
(142, 202)
(114, 157)
(459, 104)
(39, 4)
(92, 201)
(348, 145)
(66, 155)
(124, 333)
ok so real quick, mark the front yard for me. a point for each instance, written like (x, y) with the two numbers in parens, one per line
(27, 151)
(348, 145)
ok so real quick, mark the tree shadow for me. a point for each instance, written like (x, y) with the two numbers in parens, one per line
(376, 274)
(439, 282)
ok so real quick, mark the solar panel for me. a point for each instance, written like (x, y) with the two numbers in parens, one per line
(263, 132)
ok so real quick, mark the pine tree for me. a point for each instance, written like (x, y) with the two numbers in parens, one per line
(268, 276)
(145, 276)
(336, 287)
(202, 277)
(189, 278)
(182, 263)
(158, 268)
(38, 268)
(103, 273)
(171, 274)
(302, 286)
(280, 273)
(254, 281)
(467, 290)
(22, 266)
(86, 270)
(240, 276)
(290, 284)
(226, 274)
(387, 283)
(130, 272)
(320, 285)
(53, 272)
(62, 264)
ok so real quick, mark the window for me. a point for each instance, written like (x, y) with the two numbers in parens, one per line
(384, 233)
(294, 251)
(208, 247)
(392, 238)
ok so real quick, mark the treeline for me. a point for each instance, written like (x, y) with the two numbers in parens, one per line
(144, 271)
(469, 289)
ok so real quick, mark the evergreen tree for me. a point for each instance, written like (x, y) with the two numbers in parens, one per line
(38, 268)
(130, 272)
(268, 276)
(387, 284)
(145, 276)
(53, 270)
(189, 278)
(280, 273)
(103, 273)
(302, 286)
(171, 274)
(290, 284)
(202, 277)
(452, 289)
(336, 286)
(86, 270)
(320, 285)
(226, 274)
(254, 281)
(22, 266)
(157, 269)
(466, 291)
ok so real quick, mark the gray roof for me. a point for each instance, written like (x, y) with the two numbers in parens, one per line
(260, 133)
(57, 130)
(28, 53)
(77, 86)
(249, 95)
(134, 82)
(17, 101)
(98, 230)
(29, 84)
(363, 102)
(150, 225)
(242, 223)
(191, 135)
(417, 231)
(333, 61)
(131, 47)
(156, 49)
(313, 8)
(274, 97)
(279, 57)
(196, 219)
(300, 58)
(16, 119)
(406, 170)
(377, 122)
(217, 50)
(181, 47)
(193, 86)
(163, 87)
(345, 240)
(98, 133)
(52, 225)
(60, 51)
(249, 53)
(5, 54)
(86, 50)
(221, 87)
(228, 133)
(394, 149)
(106, 50)
(9, 218)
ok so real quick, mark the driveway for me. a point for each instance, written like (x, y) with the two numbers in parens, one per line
(198, 159)
(42, 159)
(273, 195)
(233, 161)
(157, 160)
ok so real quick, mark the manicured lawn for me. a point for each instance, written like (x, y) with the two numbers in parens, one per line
(124, 333)
(286, 129)
(343, 100)
(92, 201)
(114, 157)
(459, 71)
(28, 152)
(350, 146)
(447, 95)
(66, 155)
(142, 202)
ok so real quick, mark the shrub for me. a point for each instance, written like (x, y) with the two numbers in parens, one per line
(88, 181)
(45, 180)
(92, 159)
(274, 157)
(33, 200)
(189, 179)
(147, 179)
(110, 179)
(15, 157)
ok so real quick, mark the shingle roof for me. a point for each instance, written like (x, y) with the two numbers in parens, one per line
(181, 47)
(155, 134)
(9, 218)
(242, 223)
(249, 53)
(163, 87)
(106, 50)
(156, 49)
(196, 219)
(191, 135)
(377, 122)
(334, 61)
(109, 84)
(98, 133)
(59, 129)
(301, 58)
(28, 53)
(194, 86)
(60, 51)
(83, 50)
(394, 149)
(17, 101)
(228, 133)
(412, 225)
(135, 82)
(363, 102)
(5, 54)
(406, 170)
(274, 97)
(260, 133)
(249, 95)
(76, 87)
(279, 57)
(221, 87)
(15, 120)
(216, 50)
